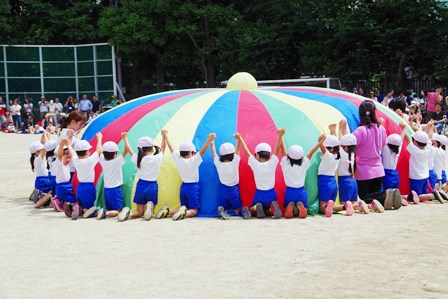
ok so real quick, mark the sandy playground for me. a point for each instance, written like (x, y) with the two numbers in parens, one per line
(43, 254)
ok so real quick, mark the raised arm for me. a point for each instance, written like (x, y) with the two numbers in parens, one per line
(127, 146)
(168, 142)
(163, 146)
(213, 149)
(71, 150)
(210, 139)
(320, 141)
(243, 144)
(99, 143)
(280, 142)
(61, 148)
(342, 128)
(238, 145)
(332, 128)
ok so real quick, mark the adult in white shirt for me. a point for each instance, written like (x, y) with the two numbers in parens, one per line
(15, 113)
(43, 109)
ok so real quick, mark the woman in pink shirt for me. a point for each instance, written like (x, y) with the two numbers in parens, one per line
(371, 138)
(433, 98)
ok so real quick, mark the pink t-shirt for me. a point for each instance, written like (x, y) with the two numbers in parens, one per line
(370, 142)
(432, 100)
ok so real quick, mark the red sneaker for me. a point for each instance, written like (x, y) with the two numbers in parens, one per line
(349, 208)
(57, 205)
(329, 208)
(289, 212)
(68, 209)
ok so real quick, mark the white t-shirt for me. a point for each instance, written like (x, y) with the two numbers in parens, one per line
(264, 172)
(63, 135)
(344, 163)
(86, 167)
(51, 108)
(28, 107)
(228, 171)
(188, 168)
(149, 166)
(16, 107)
(389, 158)
(438, 162)
(418, 163)
(43, 107)
(40, 166)
(51, 161)
(432, 155)
(58, 107)
(62, 172)
(112, 171)
(328, 164)
(294, 175)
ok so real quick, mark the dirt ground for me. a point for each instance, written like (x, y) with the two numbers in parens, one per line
(43, 254)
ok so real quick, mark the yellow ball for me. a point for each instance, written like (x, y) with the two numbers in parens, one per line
(242, 81)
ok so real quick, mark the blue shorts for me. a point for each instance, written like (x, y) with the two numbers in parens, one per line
(146, 191)
(391, 179)
(64, 192)
(443, 177)
(432, 178)
(296, 195)
(419, 186)
(86, 195)
(229, 197)
(53, 184)
(42, 183)
(265, 197)
(328, 189)
(113, 198)
(189, 195)
(348, 189)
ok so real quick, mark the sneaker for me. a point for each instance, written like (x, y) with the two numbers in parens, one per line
(404, 202)
(101, 214)
(37, 195)
(389, 199)
(223, 213)
(376, 206)
(179, 215)
(76, 211)
(437, 187)
(124, 214)
(413, 197)
(396, 199)
(163, 212)
(443, 194)
(33, 194)
(348, 208)
(149, 210)
(438, 197)
(329, 208)
(277, 211)
(46, 197)
(260, 211)
(363, 207)
(92, 212)
(57, 205)
(303, 212)
(289, 212)
(68, 209)
(246, 213)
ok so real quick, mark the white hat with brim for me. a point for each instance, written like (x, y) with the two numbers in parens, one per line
(437, 137)
(394, 139)
(331, 141)
(83, 145)
(444, 139)
(110, 147)
(295, 152)
(226, 149)
(145, 142)
(263, 147)
(36, 146)
(421, 137)
(348, 140)
(187, 146)
(50, 145)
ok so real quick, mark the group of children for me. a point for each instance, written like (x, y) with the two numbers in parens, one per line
(55, 164)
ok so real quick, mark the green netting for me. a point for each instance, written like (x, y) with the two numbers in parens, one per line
(103, 52)
(105, 83)
(23, 69)
(58, 54)
(85, 53)
(87, 83)
(85, 69)
(59, 69)
(23, 85)
(22, 54)
(103, 68)
(60, 84)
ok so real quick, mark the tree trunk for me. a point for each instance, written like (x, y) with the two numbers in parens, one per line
(209, 69)
(160, 75)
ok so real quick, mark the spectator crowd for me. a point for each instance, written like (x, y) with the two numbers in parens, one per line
(26, 118)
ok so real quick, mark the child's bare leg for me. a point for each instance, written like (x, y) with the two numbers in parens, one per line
(191, 212)
(138, 213)
(112, 213)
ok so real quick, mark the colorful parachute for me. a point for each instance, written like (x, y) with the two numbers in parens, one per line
(257, 114)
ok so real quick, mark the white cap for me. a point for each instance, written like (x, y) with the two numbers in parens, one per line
(331, 141)
(295, 152)
(50, 145)
(263, 147)
(83, 145)
(226, 149)
(421, 137)
(437, 137)
(36, 146)
(110, 147)
(187, 146)
(145, 142)
(394, 139)
(444, 139)
(348, 139)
